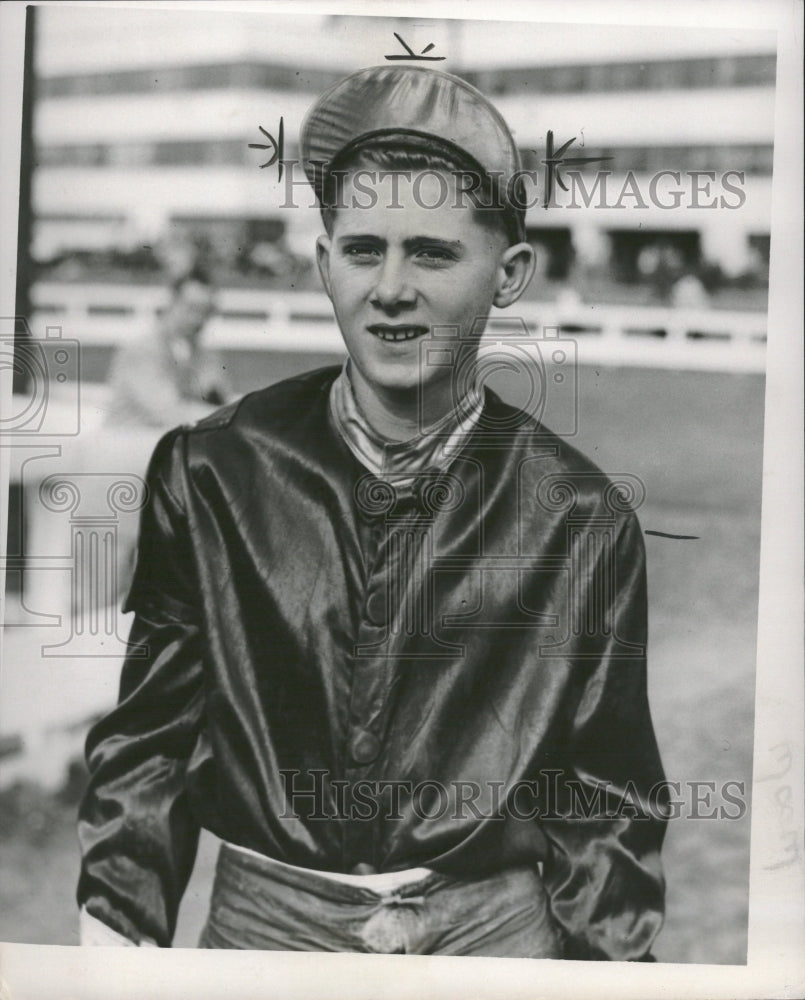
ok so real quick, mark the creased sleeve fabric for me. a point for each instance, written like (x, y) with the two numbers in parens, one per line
(137, 833)
(603, 870)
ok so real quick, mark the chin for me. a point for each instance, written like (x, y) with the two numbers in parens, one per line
(397, 382)
(386, 375)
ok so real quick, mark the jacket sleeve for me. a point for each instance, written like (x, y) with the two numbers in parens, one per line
(137, 834)
(606, 825)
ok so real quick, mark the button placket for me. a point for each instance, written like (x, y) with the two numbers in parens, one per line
(371, 680)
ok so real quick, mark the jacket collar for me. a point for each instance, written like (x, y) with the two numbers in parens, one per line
(401, 461)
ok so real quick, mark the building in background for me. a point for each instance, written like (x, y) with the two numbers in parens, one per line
(144, 119)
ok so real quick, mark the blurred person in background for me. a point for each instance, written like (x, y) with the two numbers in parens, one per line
(661, 264)
(166, 377)
(689, 292)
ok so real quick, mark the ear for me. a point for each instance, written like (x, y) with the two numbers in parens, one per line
(515, 271)
(323, 260)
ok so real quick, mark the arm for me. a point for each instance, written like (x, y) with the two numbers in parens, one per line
(137, 834)
(214, 385)
(144, 388)
(603, 874)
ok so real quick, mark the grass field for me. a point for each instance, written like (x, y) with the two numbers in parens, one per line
(695, 440)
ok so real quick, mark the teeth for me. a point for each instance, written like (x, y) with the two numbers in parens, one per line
(404, 333)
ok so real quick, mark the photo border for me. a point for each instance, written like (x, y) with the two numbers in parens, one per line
(776, 959)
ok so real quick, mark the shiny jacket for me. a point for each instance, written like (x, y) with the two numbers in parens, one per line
(337, 675)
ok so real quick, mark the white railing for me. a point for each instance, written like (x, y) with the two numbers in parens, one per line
(707, 339)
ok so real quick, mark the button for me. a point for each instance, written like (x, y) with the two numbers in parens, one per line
(376, 607)
(365, 747)
(364, 868)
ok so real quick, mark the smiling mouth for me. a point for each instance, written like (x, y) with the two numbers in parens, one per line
(396, 334)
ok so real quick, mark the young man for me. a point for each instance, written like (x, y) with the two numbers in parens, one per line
(394, 628)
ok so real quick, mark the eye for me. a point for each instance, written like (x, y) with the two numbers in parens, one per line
(361, 250)
(435, 255)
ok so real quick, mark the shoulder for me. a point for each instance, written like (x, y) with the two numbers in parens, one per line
(558, 476)
(272, 407)
(289, 409)
(143, 350)
(529, 438)
(145, 341)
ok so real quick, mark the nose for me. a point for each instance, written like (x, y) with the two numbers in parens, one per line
(393, 290)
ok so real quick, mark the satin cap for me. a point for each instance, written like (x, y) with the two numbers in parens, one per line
(415, 102)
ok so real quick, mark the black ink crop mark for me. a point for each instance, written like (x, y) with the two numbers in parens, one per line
(278, 145)
(556, 158)
(411, 56)
(665, 534)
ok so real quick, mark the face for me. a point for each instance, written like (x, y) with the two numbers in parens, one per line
(394, 273)
(192, 306)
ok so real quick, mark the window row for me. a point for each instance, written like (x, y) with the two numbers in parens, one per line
(673, 74)
(750, 158)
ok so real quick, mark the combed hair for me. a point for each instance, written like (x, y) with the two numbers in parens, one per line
(409, 156)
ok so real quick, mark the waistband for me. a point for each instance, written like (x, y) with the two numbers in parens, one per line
(332, 885)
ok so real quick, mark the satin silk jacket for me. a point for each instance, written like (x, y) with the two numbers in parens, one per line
(334, 675)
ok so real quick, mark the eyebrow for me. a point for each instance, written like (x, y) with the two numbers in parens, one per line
(413, 243)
